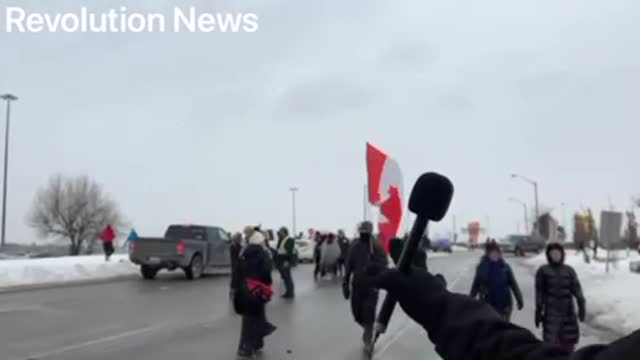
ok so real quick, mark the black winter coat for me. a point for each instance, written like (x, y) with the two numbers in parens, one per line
(556, 286)
(234, 252)
(255, 263)
(361, 255)
(344, 248)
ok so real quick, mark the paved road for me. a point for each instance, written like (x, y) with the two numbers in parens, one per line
(171, 318)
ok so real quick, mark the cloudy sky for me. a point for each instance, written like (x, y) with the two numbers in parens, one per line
(214, 128)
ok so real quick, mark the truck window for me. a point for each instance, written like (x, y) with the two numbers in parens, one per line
(213, 234)
(223, 235)
(186, 232)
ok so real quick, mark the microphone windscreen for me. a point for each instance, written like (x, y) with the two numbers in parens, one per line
(431, 196)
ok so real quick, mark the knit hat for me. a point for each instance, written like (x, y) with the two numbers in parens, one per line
(366, 227)
(491, 247)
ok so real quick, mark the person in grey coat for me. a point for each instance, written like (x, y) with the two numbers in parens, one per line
(557, 285)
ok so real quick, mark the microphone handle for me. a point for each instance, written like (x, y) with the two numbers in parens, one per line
(404, 266)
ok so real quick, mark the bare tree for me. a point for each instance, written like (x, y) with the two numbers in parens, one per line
(75, 209)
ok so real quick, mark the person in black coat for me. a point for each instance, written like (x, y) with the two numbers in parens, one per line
(364, 252)
(253, 293)
(234, 253)
(318, 241)
(494, 282)
(343, 242)
(557, 285)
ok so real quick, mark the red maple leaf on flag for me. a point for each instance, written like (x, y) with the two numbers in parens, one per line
(385, 192)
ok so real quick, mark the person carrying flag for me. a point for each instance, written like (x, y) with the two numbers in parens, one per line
(364, 252)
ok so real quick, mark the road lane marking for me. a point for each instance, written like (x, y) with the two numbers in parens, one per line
(139, 331)
(20, 308)
(101, 340)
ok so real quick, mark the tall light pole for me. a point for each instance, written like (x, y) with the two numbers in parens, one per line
(526, 213)
(8, 98)
(293, 205)
(535, 194)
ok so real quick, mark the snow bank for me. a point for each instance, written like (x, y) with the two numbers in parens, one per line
(612, 298)
(25, 272)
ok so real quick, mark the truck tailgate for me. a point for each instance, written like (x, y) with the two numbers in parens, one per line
(159, 247)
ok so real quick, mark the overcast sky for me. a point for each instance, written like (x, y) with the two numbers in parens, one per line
(214, 128)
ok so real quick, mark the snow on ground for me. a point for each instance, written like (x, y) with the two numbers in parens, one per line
(432, 254)
(45, 271)
(612, 298)
(457, 248)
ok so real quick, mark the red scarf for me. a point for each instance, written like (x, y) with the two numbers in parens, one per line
(260, 289)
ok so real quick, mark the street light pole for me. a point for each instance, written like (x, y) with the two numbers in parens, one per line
(526, 213)
(8, 98)
(293, 205)
(535, 194)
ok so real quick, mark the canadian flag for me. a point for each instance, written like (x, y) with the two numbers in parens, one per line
(385, 192)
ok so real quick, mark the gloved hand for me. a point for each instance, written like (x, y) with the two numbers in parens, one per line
(520, 305)
(538, 319)
(441, 280)
(346, 291)
(414, 291)
(581, 314)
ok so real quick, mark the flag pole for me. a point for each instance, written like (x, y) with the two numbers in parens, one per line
(364, 202)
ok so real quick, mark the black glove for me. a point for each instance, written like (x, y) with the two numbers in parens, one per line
(538, 318)
(441, 280)
(520, 305)
(346, 291)
(581, 314)
(414, 291)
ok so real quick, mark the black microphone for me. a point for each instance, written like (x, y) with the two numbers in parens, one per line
(429, 200)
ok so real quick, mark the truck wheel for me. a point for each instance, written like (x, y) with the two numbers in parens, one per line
(148, 273)
(194, 270)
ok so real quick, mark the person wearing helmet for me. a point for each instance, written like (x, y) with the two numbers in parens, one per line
(364, 251)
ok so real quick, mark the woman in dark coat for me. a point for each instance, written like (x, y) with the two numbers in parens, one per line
(234, 253)
(253, 293)
(494, 282)
(557, 285)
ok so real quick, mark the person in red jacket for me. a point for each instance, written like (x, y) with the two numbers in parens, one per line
(107, 236)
